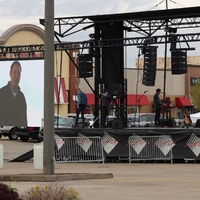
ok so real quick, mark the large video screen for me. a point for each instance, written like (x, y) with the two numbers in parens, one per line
(21, 92)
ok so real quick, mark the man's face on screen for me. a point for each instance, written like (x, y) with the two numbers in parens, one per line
(15, 75)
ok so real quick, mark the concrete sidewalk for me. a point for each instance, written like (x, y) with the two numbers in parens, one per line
(130, 181)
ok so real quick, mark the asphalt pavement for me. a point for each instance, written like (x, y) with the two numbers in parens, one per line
(138, 181)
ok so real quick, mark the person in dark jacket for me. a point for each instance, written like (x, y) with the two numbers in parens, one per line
(13, 108)
(157, 106)
(81, 106)
(105, 102)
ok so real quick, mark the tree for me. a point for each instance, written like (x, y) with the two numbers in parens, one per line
(195, 95)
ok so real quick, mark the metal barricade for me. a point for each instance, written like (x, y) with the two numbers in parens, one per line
(78, 149)
(150, 148)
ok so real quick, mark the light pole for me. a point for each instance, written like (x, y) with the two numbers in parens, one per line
(48, 148)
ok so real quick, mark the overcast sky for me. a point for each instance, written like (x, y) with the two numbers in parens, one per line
(14, 12)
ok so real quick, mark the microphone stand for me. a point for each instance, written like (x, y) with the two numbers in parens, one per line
(139, 106)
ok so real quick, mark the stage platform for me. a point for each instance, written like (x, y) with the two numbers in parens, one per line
(185, 141)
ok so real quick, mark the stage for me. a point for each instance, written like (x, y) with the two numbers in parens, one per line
(185, 141)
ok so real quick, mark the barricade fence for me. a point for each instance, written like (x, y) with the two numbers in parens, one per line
(78, 149)
(150, 148)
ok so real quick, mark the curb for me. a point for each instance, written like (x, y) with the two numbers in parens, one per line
(53, 178)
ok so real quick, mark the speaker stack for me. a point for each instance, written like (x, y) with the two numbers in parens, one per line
(85, 66)
(179, 62)
(149, 70)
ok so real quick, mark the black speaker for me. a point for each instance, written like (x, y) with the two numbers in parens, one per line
(171, 122)
(117, 124)
(163, 122)
(85, 65)
(179, 62)
(149, 70)
(197, 123)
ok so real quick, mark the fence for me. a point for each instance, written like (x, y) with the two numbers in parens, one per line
(78, 149)
(150, 148)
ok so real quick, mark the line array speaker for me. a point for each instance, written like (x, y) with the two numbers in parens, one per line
(85, 65)
(150, 61)
(179, 62)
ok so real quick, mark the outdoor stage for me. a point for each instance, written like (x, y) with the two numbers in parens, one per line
(185, 142)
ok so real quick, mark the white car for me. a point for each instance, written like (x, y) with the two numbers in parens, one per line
(142, 119)
(8, 131)
(89, 119)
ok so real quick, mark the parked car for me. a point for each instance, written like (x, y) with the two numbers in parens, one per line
(25, 133)
(36, 133)
(59, 123)
(89, 119)
(8, 131)
(64, 122)
(142, 119)
(134, 121)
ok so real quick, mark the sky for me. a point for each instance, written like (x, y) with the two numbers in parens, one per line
(13, 12)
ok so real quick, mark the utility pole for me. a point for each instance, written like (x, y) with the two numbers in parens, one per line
(48, 142)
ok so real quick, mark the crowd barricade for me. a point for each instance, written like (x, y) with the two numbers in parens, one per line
(78, 149)
(150, 148)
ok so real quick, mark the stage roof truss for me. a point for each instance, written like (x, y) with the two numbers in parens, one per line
(72, 23)
(147, 22)
(181, 38)
(160, 39)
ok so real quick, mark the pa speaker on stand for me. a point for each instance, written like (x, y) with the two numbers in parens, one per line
(171, 122)
(163, 122)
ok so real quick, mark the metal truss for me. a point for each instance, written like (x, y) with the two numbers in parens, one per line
(20, 49)
(146, 23)
(193, 37)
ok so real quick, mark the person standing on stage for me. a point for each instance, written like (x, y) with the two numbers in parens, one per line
(105, 102)
(157, 106)
(81, 106)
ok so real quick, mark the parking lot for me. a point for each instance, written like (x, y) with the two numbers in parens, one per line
(140, 181)
(13, 148)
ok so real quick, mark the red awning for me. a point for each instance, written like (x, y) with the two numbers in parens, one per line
(183, 102)
(131, 99)
(90, 99)
(60, 92)
(140, 100)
